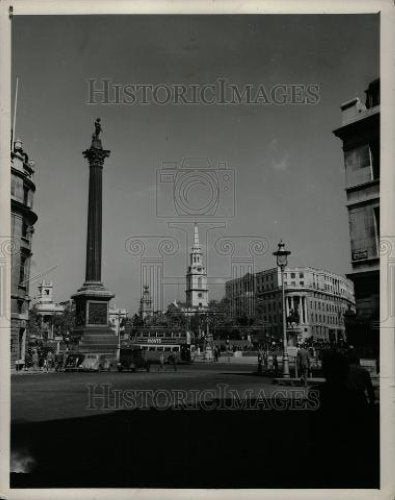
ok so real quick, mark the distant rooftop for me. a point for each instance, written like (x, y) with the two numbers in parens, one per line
(355, 109)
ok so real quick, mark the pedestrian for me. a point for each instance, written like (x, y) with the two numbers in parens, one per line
(161, 362)
(275, 363)
(28, 360)
(58, 361)
(216, 354)
(49, 360)
(303, 361)
(45, 364)
(260, 362)
(35, 360)
(173, 361)
(359, 381)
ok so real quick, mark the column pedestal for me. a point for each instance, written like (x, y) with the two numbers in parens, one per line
(92, 324)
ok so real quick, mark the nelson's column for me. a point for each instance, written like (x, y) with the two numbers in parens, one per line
(92, 299)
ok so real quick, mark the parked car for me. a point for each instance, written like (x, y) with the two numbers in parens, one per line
(74, 361)
(95, 362)
(133, 360)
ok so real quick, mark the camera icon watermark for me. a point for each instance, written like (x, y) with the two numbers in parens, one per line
(194, 189)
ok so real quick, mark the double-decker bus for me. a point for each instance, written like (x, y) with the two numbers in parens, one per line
(157, 342)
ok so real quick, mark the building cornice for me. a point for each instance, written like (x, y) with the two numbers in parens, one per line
(366, 118)
(17, 206)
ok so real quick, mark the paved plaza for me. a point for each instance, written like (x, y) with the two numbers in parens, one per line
(37, 396)
(62, 437)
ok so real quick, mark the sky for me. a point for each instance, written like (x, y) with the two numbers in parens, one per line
(286, 165)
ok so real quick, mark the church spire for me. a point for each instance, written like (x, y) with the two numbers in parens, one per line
(196, 278)
(196, 244)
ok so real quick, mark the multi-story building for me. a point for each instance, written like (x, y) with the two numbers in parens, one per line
(360, 135)
(196, 278)
(22, 221)
(46, 309)
(316, 302)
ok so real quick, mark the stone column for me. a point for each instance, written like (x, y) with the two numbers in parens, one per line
(305, 310)
(300, 309)
(95, 156)
(92, 299)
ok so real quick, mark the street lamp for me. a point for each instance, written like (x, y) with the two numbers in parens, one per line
(282, 260)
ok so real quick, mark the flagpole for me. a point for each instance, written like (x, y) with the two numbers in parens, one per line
(14, 118)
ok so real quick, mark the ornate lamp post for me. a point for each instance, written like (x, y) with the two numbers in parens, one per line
(282, 261)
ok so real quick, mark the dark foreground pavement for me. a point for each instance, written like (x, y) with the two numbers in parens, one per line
(200, 447)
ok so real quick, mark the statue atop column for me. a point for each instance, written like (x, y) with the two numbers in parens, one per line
(96, 142)
(98, 128)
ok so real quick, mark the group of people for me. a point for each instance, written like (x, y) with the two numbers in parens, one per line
(44, 361)
(172, 360)
(345, 357)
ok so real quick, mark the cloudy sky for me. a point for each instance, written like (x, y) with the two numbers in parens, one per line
(288, 175)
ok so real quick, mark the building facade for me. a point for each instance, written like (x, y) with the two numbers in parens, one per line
(196, 278)
(316, 302)
(46, 309)
(360, 136)
(23, 219)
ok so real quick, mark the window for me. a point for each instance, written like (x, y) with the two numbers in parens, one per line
(293, 276)
(358, 164)
(301, 275)
(26, 196)
(358, 157)
(377, 222)
(302, 283)
(375, 153)
(22, 270)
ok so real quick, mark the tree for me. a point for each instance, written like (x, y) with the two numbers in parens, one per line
(64, 323)
(34, 325)
(176, 318)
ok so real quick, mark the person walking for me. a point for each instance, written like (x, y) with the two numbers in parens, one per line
(173, 361)
(216, 354)
(161, 366)
(58, 361)
(303, 361)
(260, 362)
(49, 360)
(359, 381)
(35, 360)
(45, 364)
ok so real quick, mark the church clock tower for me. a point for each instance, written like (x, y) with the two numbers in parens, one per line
(196, 278)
